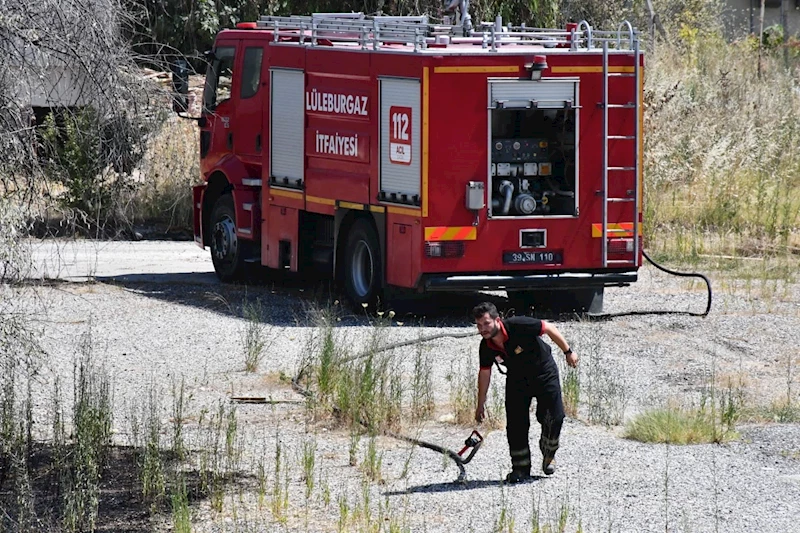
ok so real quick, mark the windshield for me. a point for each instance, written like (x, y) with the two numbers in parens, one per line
(219, 78)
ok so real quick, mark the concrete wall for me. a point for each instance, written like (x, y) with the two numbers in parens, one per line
(44, 80)
(59, 87)
(743, 16)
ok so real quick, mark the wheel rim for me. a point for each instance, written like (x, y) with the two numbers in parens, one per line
(224, 242)
(363, 270)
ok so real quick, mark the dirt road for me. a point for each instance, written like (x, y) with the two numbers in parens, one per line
(157, 314)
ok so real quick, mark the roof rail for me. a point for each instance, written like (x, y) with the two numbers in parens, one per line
(417, 32)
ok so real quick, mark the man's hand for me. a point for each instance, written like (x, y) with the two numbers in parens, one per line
(572, 359)
(479, 414)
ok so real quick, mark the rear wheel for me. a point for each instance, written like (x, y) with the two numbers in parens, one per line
(363, 268)
(227, 251)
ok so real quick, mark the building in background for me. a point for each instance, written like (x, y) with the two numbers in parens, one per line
(743, 17)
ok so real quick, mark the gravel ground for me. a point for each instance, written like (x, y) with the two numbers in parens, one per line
(156, 313)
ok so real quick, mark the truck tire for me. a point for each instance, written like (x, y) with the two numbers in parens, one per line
(363, 268)
(227, 251)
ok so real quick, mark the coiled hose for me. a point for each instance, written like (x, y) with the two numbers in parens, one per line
(673, 273)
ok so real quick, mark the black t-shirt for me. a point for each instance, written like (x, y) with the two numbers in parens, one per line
(524, 352)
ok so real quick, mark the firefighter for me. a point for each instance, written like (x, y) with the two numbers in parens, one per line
(517, 344)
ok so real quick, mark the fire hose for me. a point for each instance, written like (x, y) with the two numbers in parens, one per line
(473, 442)
(664, 312)
(475, 439)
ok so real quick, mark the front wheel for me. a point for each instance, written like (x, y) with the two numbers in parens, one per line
(227, 251)
(363, 268)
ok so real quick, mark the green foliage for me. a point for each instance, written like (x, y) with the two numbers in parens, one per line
(73, 145)
(189, 27)
(91, 157)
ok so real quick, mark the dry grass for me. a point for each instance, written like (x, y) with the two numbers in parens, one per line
(163, 193)
(721, 173)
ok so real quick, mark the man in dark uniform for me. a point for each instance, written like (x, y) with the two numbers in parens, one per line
(516, 343)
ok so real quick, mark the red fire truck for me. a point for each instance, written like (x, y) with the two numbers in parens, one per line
(395, 153)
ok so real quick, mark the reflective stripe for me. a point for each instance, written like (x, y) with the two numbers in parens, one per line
(493, 69)
(576, 69)
(454, 233)
(520, 458)
(548, 445)
(624, 229)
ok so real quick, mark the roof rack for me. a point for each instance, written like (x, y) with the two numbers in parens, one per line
(418, 33)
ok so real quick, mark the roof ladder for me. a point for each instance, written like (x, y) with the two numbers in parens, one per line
(633, 168)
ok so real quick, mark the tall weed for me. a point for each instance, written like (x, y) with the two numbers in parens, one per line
(92, 422)
(718, 153)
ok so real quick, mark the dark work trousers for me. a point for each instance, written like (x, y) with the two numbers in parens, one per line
(520, 390)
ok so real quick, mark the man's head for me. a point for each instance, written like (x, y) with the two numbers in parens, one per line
(487, 319)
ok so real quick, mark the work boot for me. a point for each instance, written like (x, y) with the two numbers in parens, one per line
(549, 466)
(517, 476)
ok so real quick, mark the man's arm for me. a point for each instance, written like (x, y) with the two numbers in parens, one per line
(484, 378)
(561, 342)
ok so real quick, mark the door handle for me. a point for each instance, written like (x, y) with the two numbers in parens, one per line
(230, 141)
(258, 142)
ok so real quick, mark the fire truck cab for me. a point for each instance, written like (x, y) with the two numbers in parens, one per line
(392, 152)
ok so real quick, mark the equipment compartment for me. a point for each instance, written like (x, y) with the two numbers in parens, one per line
(533, 151)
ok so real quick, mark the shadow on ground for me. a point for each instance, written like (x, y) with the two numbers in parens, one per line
(456, 486)
(290, 300)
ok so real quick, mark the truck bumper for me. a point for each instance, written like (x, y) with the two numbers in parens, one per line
(572, 280)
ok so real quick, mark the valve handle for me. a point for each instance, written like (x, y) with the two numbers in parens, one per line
(473, 440)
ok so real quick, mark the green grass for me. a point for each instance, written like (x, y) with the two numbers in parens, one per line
(256, 335)
(677, 426)
(181, 514)
(572, 392)
(309, 461)
(92, 419)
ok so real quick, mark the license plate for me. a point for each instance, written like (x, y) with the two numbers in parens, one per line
(542, 257)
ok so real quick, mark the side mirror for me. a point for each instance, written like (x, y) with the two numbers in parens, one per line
(180, 86)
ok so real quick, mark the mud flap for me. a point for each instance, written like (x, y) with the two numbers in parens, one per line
(197, 213)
